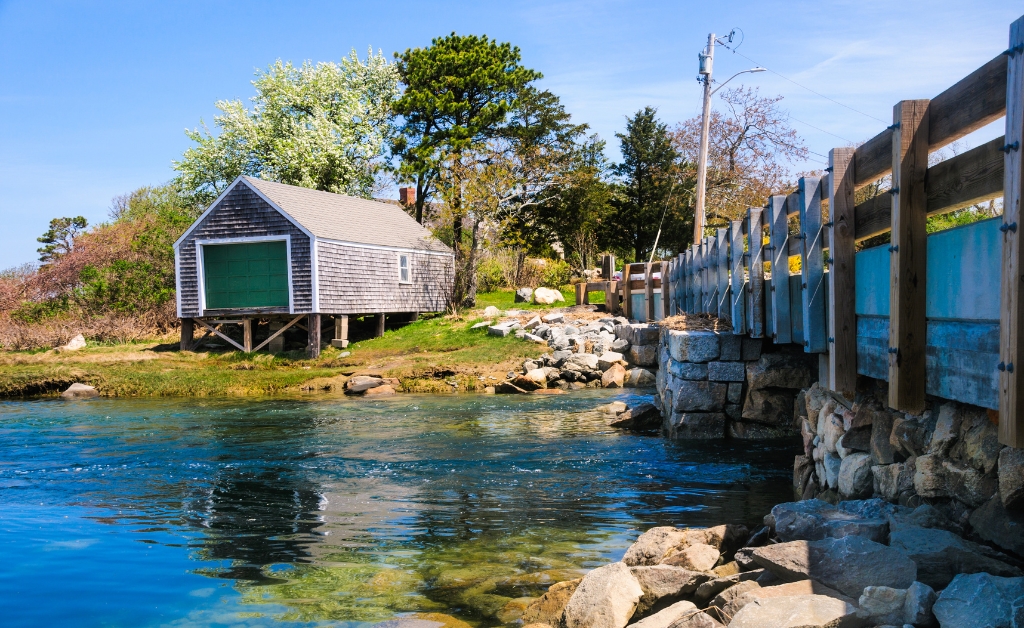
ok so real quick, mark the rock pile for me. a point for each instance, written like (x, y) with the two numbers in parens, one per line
(372, 386)
(813, 564)
(948, 457)
(606, 353)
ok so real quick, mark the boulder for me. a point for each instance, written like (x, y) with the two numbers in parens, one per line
(909, 436)
(779, 370)
(491, 312)
(538, 375)
(993, 523)
(725, 371)
(833, 465)
(651, 546)
(968, 484)
(978, 444)
(384, 390)
(727, 597)
(752, 431)
(731, 603)
(707, 591)
(587, 361)
(833, 432)
(848, 564)
(553, 317)
(362, 383)
(1011, 478)
(533, 323)
(979, 600)
(882, 605)
(751, 349)
(696, 557)
(924, 516)
(669, 616)
(917, 606)
(644, 334)
(696, 425)
(697, 620)
(547, 296)
(798, 611)
(947, 428)
(76, 343)
(528, 383)
(609, 359)
(857, 439)
(643, 355)
(882, 451)
(524, 295)
(80, 391)
(930, 476)
(645, 416)
(606, 598)
(693, 346)
(814, 399)
(730, 347)
(697, 396)
(499, 330)
(774, 407)
(941, 555)
(482, 324)
(614, 377)
(855, 478)
(814, 520)
(547, 609)
(665, 582)
(638, 378)
(615, 407)
(534, 338)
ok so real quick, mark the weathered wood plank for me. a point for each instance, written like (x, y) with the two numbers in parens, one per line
(908, 271)
(722, 272)
(1011, 319)
(627, 292)
(688, 277)
(778, 238)
(842, 302)
(812, 268)
(972, 177)
(736, 281)
(874, 158)
(756, 264)
(976, 100)
(649, 289)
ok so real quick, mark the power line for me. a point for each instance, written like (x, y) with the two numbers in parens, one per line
(822, 130)
(805, 87)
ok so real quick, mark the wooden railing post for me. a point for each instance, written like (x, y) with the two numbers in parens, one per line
(737, 281)
(842, 301)
(778, 239)
(649, 310)
(627, 292)
(755, 234)
(812, 282)
(909, 248)
(722, 272)
(1011, 315)
(690, 265)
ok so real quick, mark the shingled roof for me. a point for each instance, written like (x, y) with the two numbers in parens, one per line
(347, 218)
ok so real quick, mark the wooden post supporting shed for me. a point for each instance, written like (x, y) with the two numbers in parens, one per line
(842, 315)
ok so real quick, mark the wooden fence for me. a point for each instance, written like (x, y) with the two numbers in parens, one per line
(937, 314)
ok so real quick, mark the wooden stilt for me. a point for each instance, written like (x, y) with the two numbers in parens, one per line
(188, 330)
(313, 329)
(247, 334)
(276, 344)
(380, 325)
(340, 331)
(414, 316)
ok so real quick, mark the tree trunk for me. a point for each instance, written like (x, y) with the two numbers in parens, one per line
(471, 279)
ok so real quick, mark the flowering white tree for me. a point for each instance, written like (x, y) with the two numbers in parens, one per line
(320, 126)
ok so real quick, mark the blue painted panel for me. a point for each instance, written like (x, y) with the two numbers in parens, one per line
(964, 266)
(659, 312)
(639, 302)
(872, 281)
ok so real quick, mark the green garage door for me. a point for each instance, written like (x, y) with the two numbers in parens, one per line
(251, 275)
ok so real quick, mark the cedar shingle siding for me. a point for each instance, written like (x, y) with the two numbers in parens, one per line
(242, 213)
(358, 280)
(353, 277)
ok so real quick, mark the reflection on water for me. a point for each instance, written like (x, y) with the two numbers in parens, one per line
(310, 510)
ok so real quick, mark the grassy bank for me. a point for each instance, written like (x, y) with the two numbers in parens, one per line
(434, 354)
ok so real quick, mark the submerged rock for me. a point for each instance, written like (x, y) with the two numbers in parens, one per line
(547, 609)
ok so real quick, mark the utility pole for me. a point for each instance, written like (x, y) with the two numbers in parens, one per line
(706, 60)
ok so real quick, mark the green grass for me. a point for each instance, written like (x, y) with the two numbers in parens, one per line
(425, 355)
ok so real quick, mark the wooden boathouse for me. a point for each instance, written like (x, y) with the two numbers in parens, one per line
(269, 256)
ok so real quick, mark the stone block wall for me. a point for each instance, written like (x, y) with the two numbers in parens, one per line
(948, 457)
(718, 385)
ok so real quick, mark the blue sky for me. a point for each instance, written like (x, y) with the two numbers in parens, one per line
(94, 96)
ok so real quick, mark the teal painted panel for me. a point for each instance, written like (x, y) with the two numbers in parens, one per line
(964, 266)
(639, 302)
(659, 312)
(872, 281)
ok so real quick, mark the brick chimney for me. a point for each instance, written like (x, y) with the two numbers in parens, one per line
(407, 196)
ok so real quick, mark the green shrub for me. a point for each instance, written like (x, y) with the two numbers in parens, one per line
(490, 275)
(556, 273)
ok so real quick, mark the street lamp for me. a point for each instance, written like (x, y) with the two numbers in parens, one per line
(706, 62)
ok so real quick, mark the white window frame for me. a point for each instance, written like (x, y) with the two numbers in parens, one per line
(201, 267)
(408, 268)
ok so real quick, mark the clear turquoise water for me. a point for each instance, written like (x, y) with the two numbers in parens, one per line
(329, 511)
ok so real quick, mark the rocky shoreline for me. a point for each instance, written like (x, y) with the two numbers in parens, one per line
(857, 563)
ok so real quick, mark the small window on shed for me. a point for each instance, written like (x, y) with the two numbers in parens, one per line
(404, 275)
